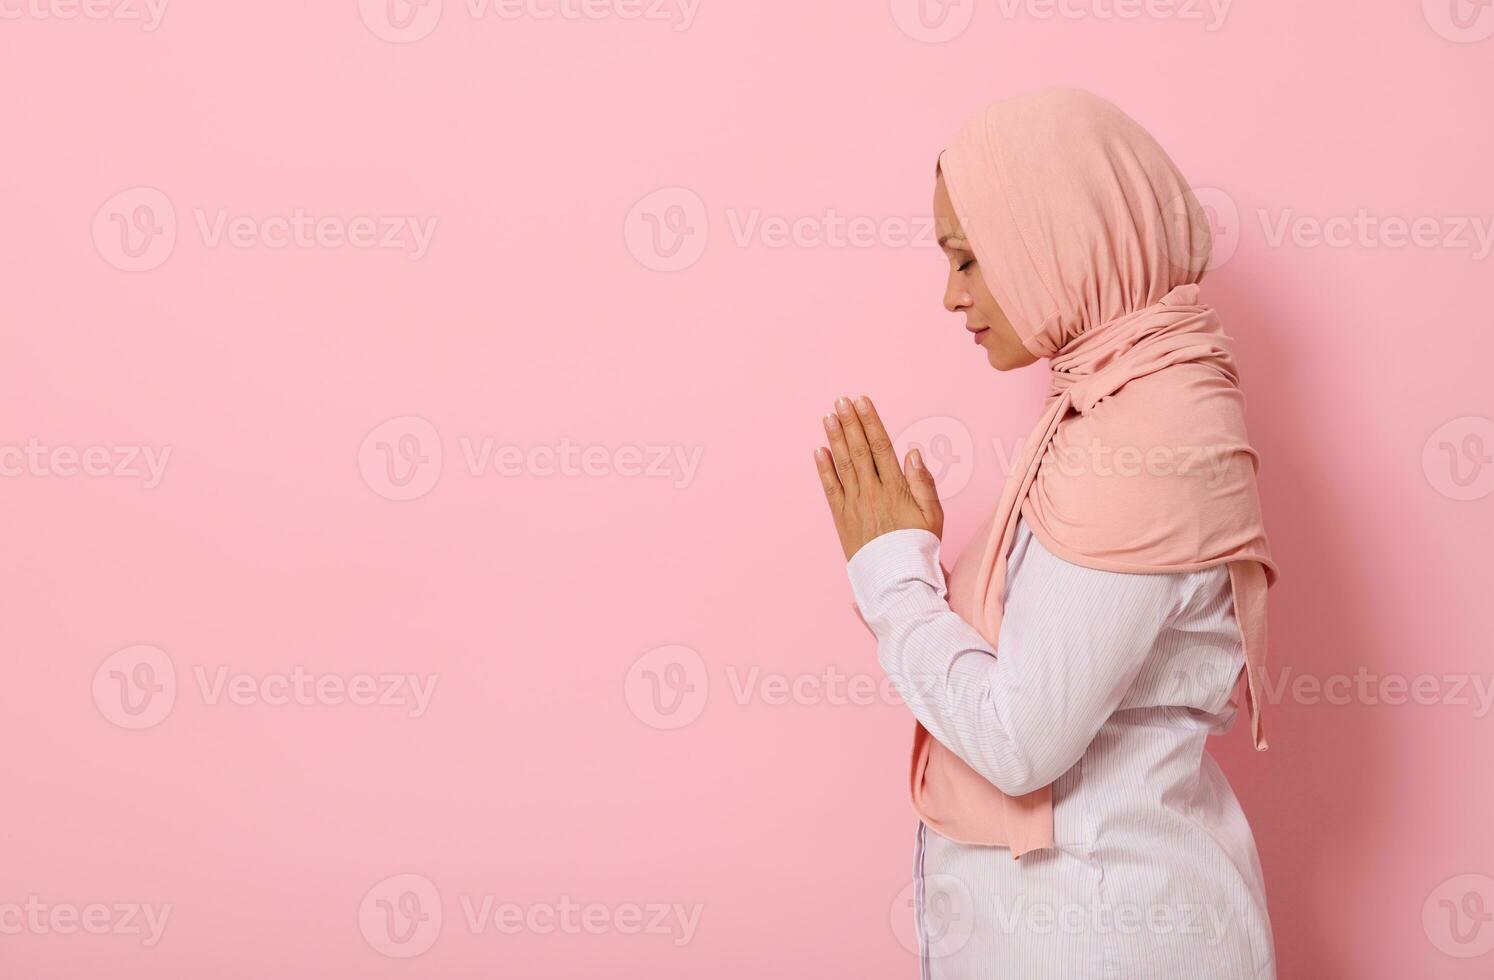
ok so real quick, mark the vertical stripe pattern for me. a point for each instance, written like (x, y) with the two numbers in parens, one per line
(1112, 685)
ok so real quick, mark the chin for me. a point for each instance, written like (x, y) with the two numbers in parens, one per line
(1009, 359)
(1004, 362)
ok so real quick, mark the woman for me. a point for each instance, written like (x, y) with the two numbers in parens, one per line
(1122, 576)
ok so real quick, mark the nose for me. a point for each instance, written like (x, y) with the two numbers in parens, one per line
(956, 296)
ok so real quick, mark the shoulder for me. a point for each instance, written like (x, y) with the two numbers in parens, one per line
(1157, 469)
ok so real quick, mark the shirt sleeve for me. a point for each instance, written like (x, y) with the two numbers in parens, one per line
(1073, 640)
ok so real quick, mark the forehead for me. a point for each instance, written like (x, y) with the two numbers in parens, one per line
(946, 222)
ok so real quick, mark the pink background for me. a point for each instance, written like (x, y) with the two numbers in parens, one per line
(543, 311)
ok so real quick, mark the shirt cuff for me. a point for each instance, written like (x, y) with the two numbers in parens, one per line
(887, 562)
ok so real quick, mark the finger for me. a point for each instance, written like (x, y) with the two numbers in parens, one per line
(884, 455)
(921, 485)
(834, 492)
(840, 452)
(861, 459)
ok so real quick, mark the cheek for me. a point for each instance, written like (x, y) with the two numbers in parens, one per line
(1017, 353)
(987, 304)
(992, 310)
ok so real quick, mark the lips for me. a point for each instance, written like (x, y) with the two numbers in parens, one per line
(978, 333)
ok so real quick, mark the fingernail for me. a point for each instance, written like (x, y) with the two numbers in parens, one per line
(862, 403)
(830, 421)
(917, 459)
(843, 403)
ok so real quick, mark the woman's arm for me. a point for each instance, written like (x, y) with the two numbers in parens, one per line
(1072, 642)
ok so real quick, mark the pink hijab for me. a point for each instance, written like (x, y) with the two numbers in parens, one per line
(1093, 244)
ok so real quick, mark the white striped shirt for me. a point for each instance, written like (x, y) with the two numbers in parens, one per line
(1108, 686)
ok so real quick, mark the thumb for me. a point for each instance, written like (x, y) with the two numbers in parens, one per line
(925, 494)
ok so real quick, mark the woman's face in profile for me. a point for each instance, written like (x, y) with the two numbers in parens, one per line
(966, 291)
